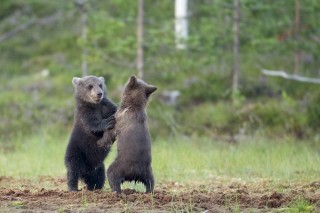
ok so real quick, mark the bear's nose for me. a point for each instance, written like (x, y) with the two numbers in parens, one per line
(99, 94)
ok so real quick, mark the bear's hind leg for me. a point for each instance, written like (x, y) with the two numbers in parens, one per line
(114, 179)
(96, 178)
(72, 177)
(148, 181)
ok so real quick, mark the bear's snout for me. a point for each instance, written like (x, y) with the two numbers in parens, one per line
(99, 94)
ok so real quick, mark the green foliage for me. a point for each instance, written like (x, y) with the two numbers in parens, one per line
(272, 117)
(49, 101)
(204, 87)
(210, 119)
(42, 103)
(313, 112)
(202, 72)
(276, 118)
(162, 120)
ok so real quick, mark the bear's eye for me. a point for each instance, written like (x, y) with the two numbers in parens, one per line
(100, 85)
(90, 87)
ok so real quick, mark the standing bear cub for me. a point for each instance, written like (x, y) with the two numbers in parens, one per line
(133, 161)
(94, 114)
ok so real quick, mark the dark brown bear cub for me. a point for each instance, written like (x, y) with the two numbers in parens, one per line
(133, 162)
(94, 114)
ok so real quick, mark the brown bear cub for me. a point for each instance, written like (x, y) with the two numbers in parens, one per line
(94, 114)
(133, 161)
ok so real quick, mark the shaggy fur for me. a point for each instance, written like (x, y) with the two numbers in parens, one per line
(133, 161)
(94, 114)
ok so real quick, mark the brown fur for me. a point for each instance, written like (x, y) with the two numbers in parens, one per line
(133, 162)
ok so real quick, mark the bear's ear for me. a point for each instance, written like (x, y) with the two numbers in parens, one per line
(76, 81)
(150, 89)
(133, 81)
(101, 79)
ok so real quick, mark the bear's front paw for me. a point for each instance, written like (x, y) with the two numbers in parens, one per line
(104, 142)
(111, 122)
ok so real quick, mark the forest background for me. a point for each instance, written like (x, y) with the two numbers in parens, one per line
(43, 47)
(219, 116)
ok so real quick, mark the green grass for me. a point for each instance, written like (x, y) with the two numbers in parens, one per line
(179, 159)
(206, 159)
(299, 205)
(34, 155)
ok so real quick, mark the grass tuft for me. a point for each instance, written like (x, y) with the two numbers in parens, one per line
(301, 205)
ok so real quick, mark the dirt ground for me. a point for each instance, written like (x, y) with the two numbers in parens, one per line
(48, 194)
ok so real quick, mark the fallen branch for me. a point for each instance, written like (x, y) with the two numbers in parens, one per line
(17, 30)
(41, 21)
(285, 75)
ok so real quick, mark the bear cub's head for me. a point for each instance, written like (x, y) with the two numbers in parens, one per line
(137, 92)
(89, 88)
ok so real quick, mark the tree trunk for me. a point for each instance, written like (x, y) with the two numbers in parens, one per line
(236, 68)
(297, 54)
(140, 57)
(181, 23)
(84, 65)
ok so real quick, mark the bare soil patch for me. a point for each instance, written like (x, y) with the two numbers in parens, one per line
(49, 195)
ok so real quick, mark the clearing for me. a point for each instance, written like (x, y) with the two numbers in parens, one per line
(47, 194)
